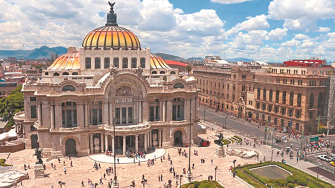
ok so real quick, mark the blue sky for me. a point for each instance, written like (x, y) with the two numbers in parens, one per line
(268, 30)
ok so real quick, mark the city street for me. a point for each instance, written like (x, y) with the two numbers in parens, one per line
(253, 130)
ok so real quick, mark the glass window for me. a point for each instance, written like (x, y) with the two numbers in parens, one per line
(124, 115)
(311, 101)
(125, 63)
(97, 63)
(299, 100)
(133, 62)
(33, 111)
(116, 62)
(87, 63)
(130, 114)
(284, 97)
(142, 62)
(32, 99)
(106, 62)
(117, 115)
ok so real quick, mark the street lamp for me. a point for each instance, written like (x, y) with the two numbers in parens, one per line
(205, 113)
(215, 171)
(272, 154)
(115, 183)
(189, 173)
(234, 161)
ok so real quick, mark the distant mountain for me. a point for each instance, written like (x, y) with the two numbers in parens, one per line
(195, 58)
(170, 57)
(37, 53)
(240, 59)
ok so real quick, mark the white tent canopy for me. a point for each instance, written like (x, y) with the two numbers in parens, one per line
(9, 134)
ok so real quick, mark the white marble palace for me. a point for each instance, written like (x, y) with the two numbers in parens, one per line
(110, 82)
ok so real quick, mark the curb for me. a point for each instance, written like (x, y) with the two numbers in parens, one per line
(240, 180)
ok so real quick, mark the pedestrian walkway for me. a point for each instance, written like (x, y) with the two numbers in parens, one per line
(103, 158)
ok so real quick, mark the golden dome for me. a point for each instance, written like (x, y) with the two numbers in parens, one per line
(66, 61)
(157, 62)
(111, 36)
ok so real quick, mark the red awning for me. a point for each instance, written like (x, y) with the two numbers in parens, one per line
(170, 62)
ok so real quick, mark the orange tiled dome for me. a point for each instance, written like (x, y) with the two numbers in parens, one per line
(66, 61)
(157, 62)
(111, 36)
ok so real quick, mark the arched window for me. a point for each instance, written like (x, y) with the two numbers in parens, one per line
(46, 73)
(178, 85)
(311, 101)
(133, 62)
(125, 63)
(106, 63)
(97, 63)
(154, 72)
(299, 100)
(65, 73)
(68, 88)
(116, 62)
(162, 72)
(75, 73)
(173, 72)
(284, 97)
(56, 74)
(87, 63)
(142, 62)
(320, 100)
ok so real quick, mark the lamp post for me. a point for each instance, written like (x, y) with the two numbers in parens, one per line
(115, 182)
(234, 161)
(205, 113)
(272, 154)
(215, 172)
(189, 173)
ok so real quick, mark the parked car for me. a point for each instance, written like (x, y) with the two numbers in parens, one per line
(332, 163)
(324, 158)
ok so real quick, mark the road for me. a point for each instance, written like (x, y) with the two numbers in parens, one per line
(253, 130)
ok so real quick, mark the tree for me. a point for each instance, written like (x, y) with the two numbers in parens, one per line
(188, 69)
(11, 104)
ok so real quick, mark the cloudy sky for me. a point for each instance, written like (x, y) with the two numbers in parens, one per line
(269, 30)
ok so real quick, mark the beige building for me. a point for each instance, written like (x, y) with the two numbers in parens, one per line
(110, 82)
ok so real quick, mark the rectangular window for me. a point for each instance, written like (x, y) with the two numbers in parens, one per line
(142, 62)
(87, 63)
(125, 63)
(33, 111)
(133, 62)
(68, 118)
(124, 115)
(75, 118)
(32, 99)
(277, 80)
(270, 107)
(276, 109)
(157, 113)
(63, 118)
(100, 116)
(283, 111)
(284, 81)
(117, 115)
(269, 119)
(152, 113)
(94, 119)
(130, 114)
(106, 63)
(298, 114)
(174, 112)
(97, 63)
(275, 121)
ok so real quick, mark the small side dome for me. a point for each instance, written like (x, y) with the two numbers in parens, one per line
(157, 62)
(66, 61)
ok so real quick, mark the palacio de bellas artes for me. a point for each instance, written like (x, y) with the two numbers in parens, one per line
(110, 82)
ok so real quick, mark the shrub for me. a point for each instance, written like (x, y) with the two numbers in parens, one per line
(290, 185)
(302, 181)
(2, 162)
(290, 179)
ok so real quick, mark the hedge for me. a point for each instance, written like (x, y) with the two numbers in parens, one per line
(2, 163)
(202, 184)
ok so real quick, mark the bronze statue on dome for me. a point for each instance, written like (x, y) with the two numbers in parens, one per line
(112, 6)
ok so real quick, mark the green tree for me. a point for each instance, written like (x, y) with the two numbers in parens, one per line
(11, 104)
(188, 69)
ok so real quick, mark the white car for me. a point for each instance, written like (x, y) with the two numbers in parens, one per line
(324, 158)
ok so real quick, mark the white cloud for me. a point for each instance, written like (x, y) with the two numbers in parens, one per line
(253, 23)
(291, 43)
(324, 29)
(300, 36)
(301, 14)
(277, 34)
(229, 1)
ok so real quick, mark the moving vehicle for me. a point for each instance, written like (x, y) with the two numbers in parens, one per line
(332, 163)
(324, 158)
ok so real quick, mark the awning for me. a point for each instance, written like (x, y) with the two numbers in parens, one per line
(10, 134)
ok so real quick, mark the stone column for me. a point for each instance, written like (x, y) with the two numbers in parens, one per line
(45, 114)
(104, 112)
(80, 115)
(58, 115)
(91, 144)
(124, 145)
(136, 143)
(145, 111)
(111, 115)
(187, 109)
(87, 117)
(169, 110)
(150, 140)
(145, 142)
(159, 137)
(164, 111)
(106, 142)
(52, 116)
(101, 142)
(113, 145)
(39, 115)
(161, 111)
(140, 120)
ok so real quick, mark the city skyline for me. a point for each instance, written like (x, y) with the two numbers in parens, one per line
(258, 29)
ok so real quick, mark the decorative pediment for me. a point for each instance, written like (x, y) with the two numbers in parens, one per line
(123, 91)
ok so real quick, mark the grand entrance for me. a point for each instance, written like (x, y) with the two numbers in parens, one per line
(70, 147)
(34, 141)
(178, 141)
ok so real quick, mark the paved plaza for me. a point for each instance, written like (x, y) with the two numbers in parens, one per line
(83, 170)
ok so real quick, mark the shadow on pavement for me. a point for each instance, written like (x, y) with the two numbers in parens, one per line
(324, 173)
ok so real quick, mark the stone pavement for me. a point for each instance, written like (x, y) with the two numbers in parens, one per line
(103, 158)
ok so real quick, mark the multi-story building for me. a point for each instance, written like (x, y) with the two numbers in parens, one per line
(291, 97)
(110, 82)
(224, 89)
